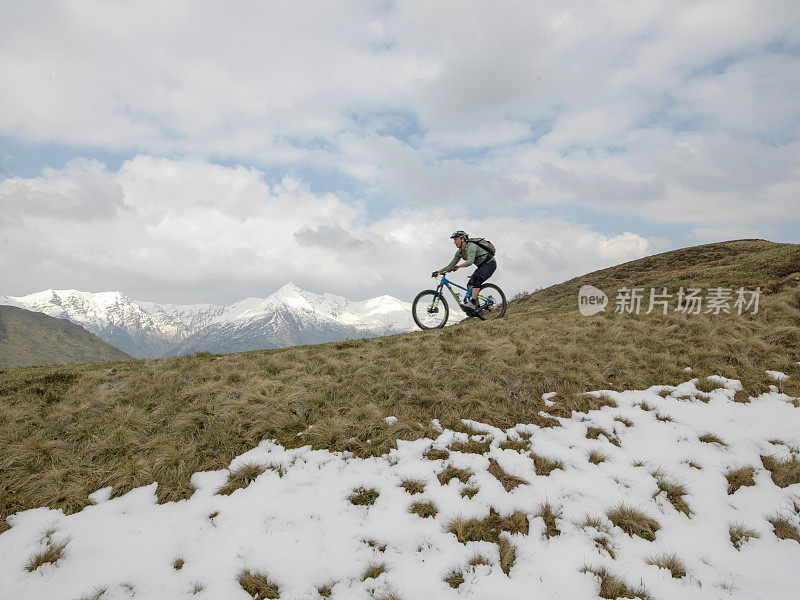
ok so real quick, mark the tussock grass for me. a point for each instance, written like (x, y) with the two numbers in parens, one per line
(594, 521)
(549, 517)
(197, 588)
(454, 578)
(624, 420)
(452, 472)
(784, 472)
(96, 595)
(664, 418)
(436, 454)
(593, 433)
(413, 486)
(633, 522)
(508, 481)
(489, 528)
(241, 478)
(471, 446)
(707, 386)
(326, 590)
(710, 438)
(178, 564)
(363, 496)
(674, 493)
(518, 445)
(376, 545)
(478, 559)
(604, 544)
(783, 527)
(50, 555)
(258, 585)
(389, 595)
(469, 491)
(373, 571)
(740, 534)
(67, 431)
(508, 555)
(544, 466)
(612, 587)
(668, 561)
(596, 457)
(424, 509)
(740, 477)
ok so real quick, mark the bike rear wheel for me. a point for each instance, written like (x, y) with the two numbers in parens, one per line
(494, 301)
(430, 310)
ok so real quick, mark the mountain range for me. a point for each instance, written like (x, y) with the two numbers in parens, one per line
(289, 317)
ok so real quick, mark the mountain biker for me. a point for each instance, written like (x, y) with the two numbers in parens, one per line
(472, 253)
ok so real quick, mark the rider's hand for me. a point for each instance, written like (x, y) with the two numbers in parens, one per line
(435, 274)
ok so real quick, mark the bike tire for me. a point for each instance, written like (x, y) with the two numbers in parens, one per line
(423, 300)
(499, 308)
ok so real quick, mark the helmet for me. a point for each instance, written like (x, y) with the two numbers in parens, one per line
(459, 234)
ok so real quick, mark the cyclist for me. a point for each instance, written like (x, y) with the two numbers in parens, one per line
(472, 253)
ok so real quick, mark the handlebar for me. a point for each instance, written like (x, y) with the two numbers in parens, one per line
(437, 273)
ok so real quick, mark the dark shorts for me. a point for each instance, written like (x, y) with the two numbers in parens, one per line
(482, 273)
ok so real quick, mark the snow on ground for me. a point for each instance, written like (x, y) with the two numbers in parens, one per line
(295, 524)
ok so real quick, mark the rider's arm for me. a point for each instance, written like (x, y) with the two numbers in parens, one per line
(452, 263)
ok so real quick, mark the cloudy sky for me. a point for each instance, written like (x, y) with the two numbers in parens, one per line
(189, 151)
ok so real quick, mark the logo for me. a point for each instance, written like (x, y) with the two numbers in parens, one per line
(591, 300)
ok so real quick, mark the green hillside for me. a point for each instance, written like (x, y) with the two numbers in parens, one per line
(70, 430)
(31, 338)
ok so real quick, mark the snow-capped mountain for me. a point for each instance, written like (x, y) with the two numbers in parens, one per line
(289, 317)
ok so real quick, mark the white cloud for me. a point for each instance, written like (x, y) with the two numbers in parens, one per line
(193, 231)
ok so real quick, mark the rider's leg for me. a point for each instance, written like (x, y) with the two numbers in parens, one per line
(480, 275)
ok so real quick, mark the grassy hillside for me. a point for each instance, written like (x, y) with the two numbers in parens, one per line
(68, 431)
(31, 338)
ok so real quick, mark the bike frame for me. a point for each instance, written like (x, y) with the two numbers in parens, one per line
(445, 282)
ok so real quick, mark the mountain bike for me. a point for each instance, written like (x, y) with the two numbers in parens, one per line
(430, 309)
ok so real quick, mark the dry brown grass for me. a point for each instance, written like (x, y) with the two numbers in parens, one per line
(593, 433)
(469, 491)
(241, 478)
(706, 385)
(70, 430)
(258, 585)
(508, 481)
(612, 587)
(424, 509)
(710, 438)
(784, 472)
(489, 528)
(178, 564)
(326, 590)
(50, 555)
(740, 534)
(373, 571)
(674, 493)
(784, 528)
(596, 457)
(740, 477)
(454, 578)
(624, 420)
(544, 466)
(668, 561)
(508, 555)
(452, 472)
(413, 486)
(633, 522)
(436, 454)
(471, 446)
(363, 496)
(549, 517)
(518, 445)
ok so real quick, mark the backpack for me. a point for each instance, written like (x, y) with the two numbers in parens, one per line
(484, 244)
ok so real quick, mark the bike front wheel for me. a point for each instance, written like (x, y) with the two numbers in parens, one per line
(430, 310)
(493, 301)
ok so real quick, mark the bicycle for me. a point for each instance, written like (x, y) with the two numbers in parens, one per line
(430, 309)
